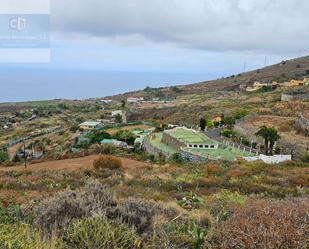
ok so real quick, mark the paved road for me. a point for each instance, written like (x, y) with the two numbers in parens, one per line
(215, 133)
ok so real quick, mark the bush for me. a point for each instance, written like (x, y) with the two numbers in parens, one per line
(107, 162)
(305, 158)
(177, 158)
(97, 136)
(21, 236)
(95, 200)
(221, 205)
(95, 233)
(212, 169)
(107, 149)
(140, 214)
(10, 214)
(125, 136)
(3, 156)
(191, 201)
(180, 235)
(268, 224)
(228, 133)
(55, 214)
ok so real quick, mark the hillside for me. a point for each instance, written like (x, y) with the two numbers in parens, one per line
(286, 70)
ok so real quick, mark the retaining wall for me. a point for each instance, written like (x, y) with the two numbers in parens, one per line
(295, 97)
(150, 149)
(171, 141)
(270, 159)
(192, 157)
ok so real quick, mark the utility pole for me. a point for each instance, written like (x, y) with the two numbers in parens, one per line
(245, 66)
(265, 61)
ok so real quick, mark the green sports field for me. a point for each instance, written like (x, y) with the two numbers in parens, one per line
(190, 137)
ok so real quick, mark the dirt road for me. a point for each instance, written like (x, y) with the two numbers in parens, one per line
(75, 164)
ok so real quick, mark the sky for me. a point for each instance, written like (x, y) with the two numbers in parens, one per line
(104, 47)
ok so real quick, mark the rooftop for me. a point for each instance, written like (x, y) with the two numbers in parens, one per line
(90, 123)
(190, 136)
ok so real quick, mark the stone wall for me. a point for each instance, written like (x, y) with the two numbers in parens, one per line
(192, 157)
(294, 97)
(171, 141)
(153, 150)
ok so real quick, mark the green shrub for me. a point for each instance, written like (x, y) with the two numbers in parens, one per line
(180, 235)
(177, 158)
(97, 136)
(221, 205)
(21, 236)
(125, 135)
(10, 214)
(228, 133)
(99, 233)
(3, 156)
(191, 201)
(107, 162)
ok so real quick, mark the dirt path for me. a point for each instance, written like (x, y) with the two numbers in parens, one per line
(75, 164)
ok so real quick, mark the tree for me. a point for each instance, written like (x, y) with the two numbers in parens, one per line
(203, 124)
(273, 138)
(263, 133)
(123, 104)
(98, 135)
(229, 121)
(270, 136)
(125, 135)
(118, 119)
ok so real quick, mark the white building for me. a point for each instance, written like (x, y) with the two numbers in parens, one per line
(134, 100)
(116, 113)
(107, 101)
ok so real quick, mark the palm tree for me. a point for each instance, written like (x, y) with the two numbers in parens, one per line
(203, 124)
(273, 137)
(263, 133)
(270, 136)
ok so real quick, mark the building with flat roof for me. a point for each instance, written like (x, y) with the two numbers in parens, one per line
(114, 142)
(182, 137)
(88, 125)
(134, 100)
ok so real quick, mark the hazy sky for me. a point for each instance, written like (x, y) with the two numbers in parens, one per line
(174, 41)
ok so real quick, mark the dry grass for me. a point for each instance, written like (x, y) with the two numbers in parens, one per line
(268, 224)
